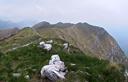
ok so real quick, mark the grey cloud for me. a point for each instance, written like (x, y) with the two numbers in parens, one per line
(93, 11)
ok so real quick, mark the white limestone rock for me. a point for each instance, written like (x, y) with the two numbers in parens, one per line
(27, 77)
(49, 41)
(45, 46)
(56, 69)
(16, 75)
(66, 45)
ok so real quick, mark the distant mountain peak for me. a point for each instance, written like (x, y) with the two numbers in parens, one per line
(8, 24)
(41, 24)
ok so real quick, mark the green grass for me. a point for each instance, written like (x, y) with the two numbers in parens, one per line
(30, 60)
(25, 35)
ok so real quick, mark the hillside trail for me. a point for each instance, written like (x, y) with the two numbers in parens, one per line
(14, 48)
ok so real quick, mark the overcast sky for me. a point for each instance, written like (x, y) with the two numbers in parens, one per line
(100, 12)
(111, 14)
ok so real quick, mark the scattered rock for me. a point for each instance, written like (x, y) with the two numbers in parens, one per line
(50, 41)
(56, 69)
(27, 77)
(72, 64)
(66, 45)
(16, 75)
(45, 46)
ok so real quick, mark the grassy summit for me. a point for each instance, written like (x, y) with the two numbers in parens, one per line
(81, 68)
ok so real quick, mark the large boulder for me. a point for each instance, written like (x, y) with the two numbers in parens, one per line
(56, 69)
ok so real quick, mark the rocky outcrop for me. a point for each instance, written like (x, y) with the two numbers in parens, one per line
(92, 40)
(56, 69)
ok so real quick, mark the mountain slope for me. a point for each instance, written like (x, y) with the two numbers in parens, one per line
(88, 38)
(29, 60)
(6, 33)
(92, 40)
(24, 36)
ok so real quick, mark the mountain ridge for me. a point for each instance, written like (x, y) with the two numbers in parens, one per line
(87, 37)
(90, 39)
